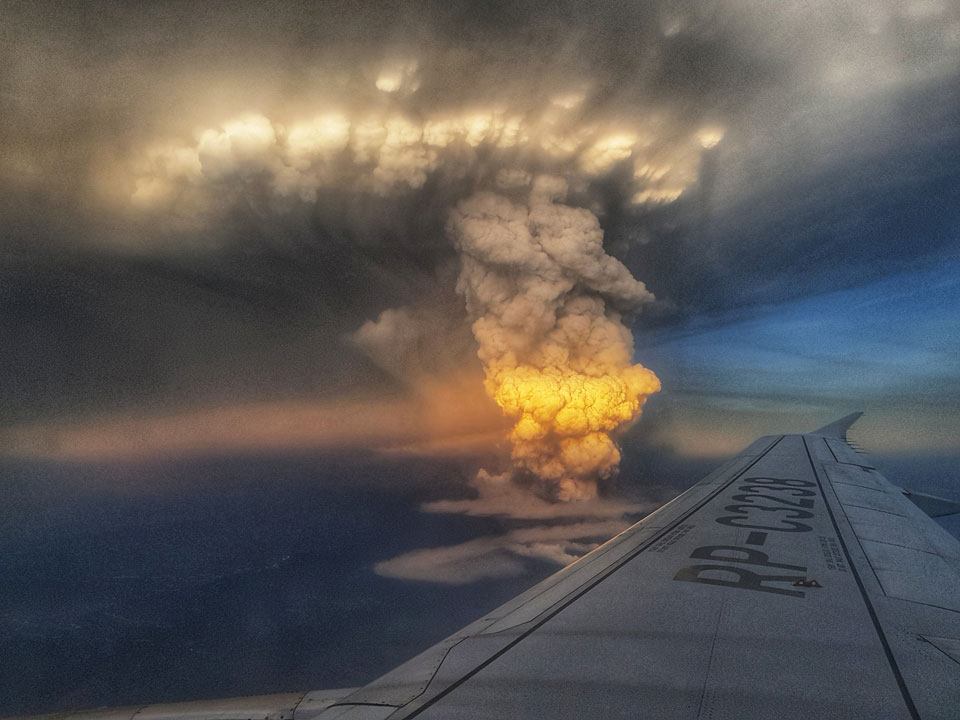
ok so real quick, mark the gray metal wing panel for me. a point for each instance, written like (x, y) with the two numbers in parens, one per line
(739, 600)
(763, 592)
(909, 572)
(751, 613)
(258, 707)
(443, 665)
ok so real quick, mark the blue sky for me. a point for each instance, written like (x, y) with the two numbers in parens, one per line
(889, 347)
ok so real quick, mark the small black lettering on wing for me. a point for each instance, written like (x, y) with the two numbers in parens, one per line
(671, 538)
(832, 553)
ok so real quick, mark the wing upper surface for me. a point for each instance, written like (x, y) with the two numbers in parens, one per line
(259, 707)
(794, 582)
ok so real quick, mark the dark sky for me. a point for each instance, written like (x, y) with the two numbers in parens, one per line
(202, 205)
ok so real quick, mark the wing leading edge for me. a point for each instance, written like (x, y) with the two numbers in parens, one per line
(792, 582)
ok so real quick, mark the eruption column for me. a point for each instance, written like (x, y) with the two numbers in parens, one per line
(545, 300)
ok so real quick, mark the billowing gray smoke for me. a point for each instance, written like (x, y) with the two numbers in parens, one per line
(558, 360)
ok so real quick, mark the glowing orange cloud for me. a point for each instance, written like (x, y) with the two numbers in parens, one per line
(564, 420)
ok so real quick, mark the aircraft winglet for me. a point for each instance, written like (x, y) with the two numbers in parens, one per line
(838, 428)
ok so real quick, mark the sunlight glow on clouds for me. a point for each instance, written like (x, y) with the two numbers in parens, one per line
(544, 298)
(395, 152)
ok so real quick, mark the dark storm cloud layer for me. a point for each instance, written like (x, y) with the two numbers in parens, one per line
(886, 203)
(103, 309)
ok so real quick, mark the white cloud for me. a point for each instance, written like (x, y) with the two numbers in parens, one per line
(502, 555)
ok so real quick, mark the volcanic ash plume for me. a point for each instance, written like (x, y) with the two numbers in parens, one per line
(545, 301)
(543, 297)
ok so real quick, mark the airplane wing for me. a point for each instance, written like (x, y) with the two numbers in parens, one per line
(793, 582)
